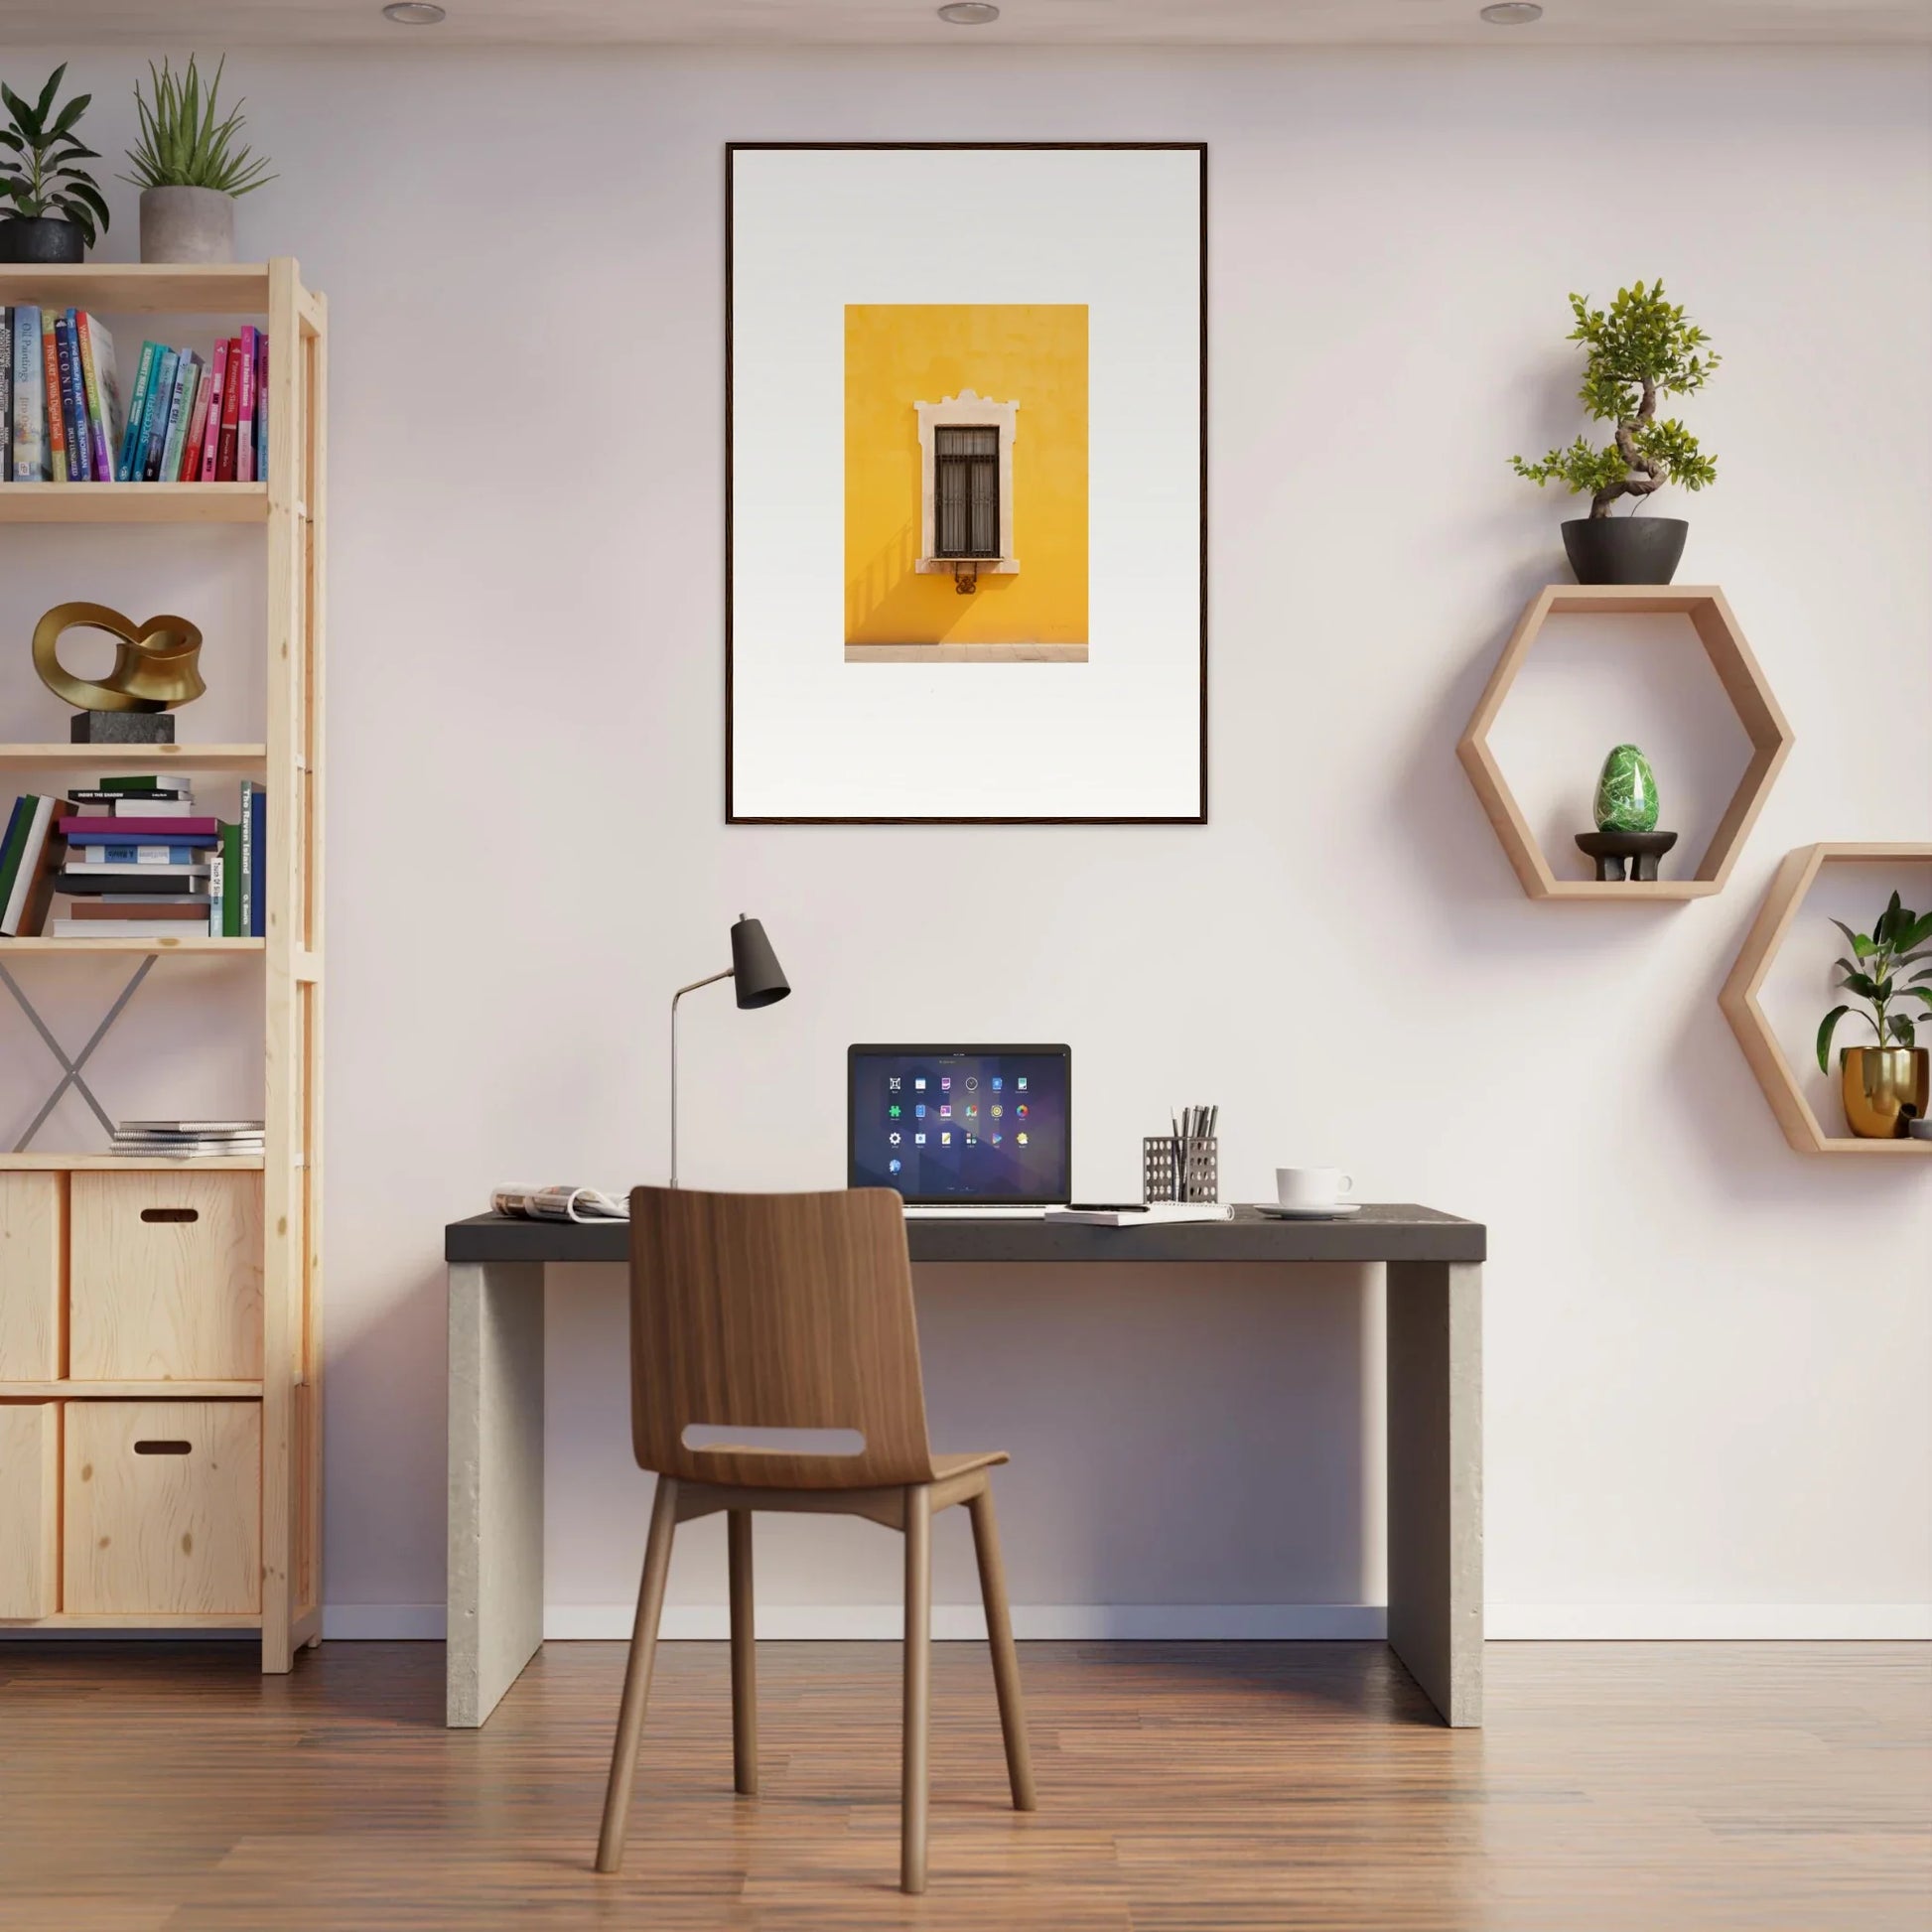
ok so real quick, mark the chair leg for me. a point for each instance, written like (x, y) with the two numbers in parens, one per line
(745, 1667)
(1006, 1660)
(918, 1688)
(637, 1676)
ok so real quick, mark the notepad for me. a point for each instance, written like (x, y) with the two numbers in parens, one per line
(1156, 1214)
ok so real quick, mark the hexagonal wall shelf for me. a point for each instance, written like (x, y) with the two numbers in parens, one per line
(1743, 684)
(1739, 998)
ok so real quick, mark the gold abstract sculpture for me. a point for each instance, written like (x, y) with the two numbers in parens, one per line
(154, 662)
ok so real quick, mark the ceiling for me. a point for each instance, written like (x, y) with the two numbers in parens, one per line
(1599, 22)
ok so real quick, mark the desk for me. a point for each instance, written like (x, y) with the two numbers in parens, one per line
(1434, 1412)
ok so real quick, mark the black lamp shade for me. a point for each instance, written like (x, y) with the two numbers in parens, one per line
(756, 977)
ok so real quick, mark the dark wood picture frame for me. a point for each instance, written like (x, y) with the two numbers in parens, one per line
(731, 150)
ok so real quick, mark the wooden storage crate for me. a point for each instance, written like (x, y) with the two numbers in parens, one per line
(33, 1266)
(30, 1509)
(166, 1277)
(162, 1508)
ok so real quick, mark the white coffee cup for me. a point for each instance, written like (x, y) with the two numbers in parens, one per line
(1313, 1186)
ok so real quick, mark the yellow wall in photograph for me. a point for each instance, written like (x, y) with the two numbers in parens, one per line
(900, 354)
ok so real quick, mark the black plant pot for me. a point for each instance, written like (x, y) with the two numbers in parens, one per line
(40, 238)
(1624, 549)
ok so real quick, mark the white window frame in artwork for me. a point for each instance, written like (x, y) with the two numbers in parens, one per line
(966, 410)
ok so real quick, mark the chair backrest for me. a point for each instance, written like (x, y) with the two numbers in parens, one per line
(765, 1312)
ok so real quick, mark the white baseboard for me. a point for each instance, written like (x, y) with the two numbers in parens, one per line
(348, 1622)
(1126, 1622)
(380, 1622)
(953, 1623)
(1708, 1622)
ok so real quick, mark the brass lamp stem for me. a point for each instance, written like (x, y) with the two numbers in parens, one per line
(712, 980)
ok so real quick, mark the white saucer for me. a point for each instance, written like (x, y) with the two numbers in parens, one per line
(1276, 1213)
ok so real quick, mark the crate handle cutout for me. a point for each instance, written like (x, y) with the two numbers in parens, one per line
(171, 1214)
(163, 1447)
(773, 1441)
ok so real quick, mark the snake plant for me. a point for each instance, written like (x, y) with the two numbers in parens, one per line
(183, 145)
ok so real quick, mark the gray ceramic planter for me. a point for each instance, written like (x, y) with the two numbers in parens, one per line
(187, 225)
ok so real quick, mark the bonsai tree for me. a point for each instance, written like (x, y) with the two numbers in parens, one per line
(1641, 348)
(1898, 940)
(183, 145)
(38, 152)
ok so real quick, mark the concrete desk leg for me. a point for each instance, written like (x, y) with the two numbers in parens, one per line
(1435, 1327)
(495, 1611)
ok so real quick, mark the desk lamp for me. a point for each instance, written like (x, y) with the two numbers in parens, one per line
(758, 980)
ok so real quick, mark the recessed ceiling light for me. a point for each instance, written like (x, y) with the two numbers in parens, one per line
(1512, 13)
(969, 13)
(413, 13)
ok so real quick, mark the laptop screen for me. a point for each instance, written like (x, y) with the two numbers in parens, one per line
(964, 1124)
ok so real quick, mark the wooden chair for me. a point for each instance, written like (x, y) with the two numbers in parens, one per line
(793, 1312)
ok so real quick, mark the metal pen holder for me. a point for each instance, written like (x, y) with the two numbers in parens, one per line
(1179, 1169)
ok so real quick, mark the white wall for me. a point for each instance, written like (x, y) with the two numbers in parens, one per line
(1706, 1356)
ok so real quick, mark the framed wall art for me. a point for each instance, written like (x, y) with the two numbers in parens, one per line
(966, 483)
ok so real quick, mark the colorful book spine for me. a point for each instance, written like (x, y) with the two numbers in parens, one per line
(30, 419)
(190, 444)
(229, 875)
(261, 407)
(244, 461)
(155, 430)
(179, 411)
(73, 401)
(154, 831)
(10, 846)
(97, 383)
(32, 881)
(230, 407)
(247, 855)
(217, 387)
(137, 855)
(6, 395)
(57, 424)
(258, 864)
(137, 409)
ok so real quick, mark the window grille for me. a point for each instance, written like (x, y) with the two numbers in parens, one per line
(966, 493)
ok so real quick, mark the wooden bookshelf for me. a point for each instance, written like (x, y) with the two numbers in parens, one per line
(193, 942)
(55, 1201)
(134, 502)
(110, 758)
(32, 1162)
(223, 1391)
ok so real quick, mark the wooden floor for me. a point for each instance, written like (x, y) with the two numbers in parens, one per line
(1633, 1788)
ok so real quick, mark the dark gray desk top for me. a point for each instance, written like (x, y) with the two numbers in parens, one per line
(1394, 1232)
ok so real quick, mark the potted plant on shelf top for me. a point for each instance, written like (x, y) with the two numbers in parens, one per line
(188, 169)
(1640, 349)
(53, 207)
(1884, 1085)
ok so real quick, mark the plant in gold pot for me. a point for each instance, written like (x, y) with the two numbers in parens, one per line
(188, 169)
(1884, 1085)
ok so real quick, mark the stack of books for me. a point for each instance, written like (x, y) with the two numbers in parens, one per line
(136, 862)
(188, 419)
(187, 1139)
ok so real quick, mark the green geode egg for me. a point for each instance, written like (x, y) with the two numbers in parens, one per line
(1626, 793)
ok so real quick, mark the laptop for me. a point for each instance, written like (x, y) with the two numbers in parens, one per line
(962, 1130)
